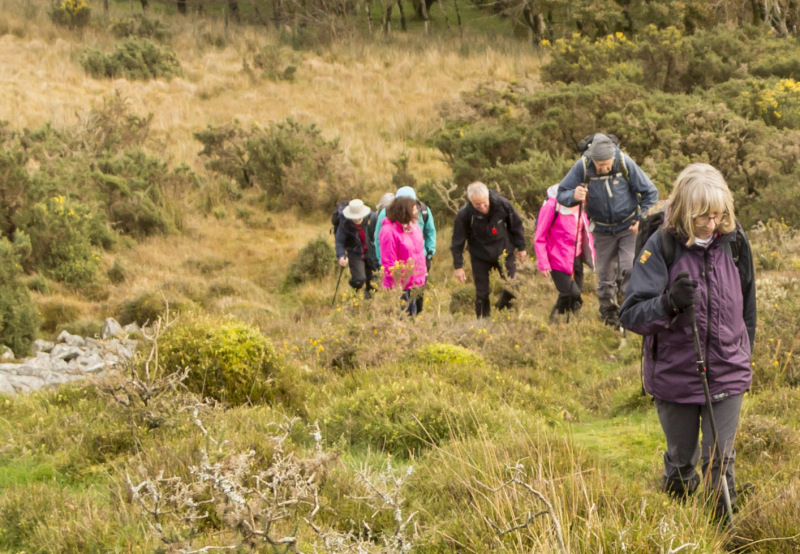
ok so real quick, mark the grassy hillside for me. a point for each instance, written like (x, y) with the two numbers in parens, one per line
(374, 433)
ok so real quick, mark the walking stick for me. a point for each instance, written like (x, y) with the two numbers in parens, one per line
(339, 280)
(701, 367)
(575, 249)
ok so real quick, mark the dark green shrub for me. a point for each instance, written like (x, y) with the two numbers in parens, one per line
(71, 13)
(290, 163)
(39, 284)
(150, 305)
(229, 361)
(141, 195)
(59, 231)
(117, 273)
(462, 300)
(56, 312)
(19, 321)
(134, 58)
(139, 25)
(657, 58)
(15, 189)
(314, 261)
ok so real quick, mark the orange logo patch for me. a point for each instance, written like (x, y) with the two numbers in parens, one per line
(645, 256)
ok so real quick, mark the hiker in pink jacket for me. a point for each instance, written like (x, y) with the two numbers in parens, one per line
(403, 250)
(557, 231)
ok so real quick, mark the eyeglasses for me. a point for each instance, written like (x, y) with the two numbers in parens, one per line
(705, 220)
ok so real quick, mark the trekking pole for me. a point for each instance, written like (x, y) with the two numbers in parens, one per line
(701, 367)
(339, 280)
(575, 249)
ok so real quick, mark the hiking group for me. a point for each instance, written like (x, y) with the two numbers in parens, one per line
(690, 292)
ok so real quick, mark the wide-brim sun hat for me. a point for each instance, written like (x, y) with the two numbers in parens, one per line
(356, 209)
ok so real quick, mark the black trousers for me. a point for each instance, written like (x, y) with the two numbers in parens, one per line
(569, 288)
(360, 273)
(480, 273)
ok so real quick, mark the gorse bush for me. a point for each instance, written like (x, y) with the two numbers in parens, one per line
(139, 25)
(315, 260)
(142, 197)
(19, 321)
(60, 231)
(521, 143)
(71, 13)
(134, 58)
(292, 164)
(228, 360)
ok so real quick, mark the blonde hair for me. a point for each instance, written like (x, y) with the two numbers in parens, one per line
(699, 189)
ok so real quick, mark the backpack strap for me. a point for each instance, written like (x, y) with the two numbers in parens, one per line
(622, 165)
(423, 210)
(667, 246)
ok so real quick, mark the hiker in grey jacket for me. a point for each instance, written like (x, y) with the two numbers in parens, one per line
(615, 191)
(492, 229)
(712, 248)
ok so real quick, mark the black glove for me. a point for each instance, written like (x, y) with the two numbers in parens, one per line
(681, 294)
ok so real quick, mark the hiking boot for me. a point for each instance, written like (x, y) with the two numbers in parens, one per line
(612, 322)
(483, 307)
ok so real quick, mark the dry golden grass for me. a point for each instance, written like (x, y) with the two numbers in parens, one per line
(381, 98)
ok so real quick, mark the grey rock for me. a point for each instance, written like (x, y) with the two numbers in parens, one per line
(65, 352)
(93, 343)
(71, 340)
(25, 383)
(131, 328)
(54, 378)
(6, 354)
(9, 368)
(111, 328)
(6, 387)
(40, 345)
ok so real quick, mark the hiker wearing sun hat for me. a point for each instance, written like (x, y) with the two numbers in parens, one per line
(352, 245)
(615, 192)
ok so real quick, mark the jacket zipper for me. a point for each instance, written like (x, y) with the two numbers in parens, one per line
(708, 305)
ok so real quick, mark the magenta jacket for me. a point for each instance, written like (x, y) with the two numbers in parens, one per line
(402, 255)
(554, 241)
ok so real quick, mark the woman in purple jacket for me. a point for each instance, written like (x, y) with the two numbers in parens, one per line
(712, 248)
(403, 250)
(563, 244)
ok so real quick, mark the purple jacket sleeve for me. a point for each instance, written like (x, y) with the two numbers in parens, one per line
(643, 311)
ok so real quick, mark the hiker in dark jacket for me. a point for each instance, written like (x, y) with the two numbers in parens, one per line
(712, 248)
(491, 227)
(615, 191)
(352, 246)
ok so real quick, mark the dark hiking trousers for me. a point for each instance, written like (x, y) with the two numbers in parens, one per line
(682, 424)
(360, 274)
(569, 288)
(480, 273)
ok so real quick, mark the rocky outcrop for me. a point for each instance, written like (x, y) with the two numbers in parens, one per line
(68, 358)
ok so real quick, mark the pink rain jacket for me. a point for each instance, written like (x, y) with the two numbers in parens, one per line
(402, 255)
(554, 241)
